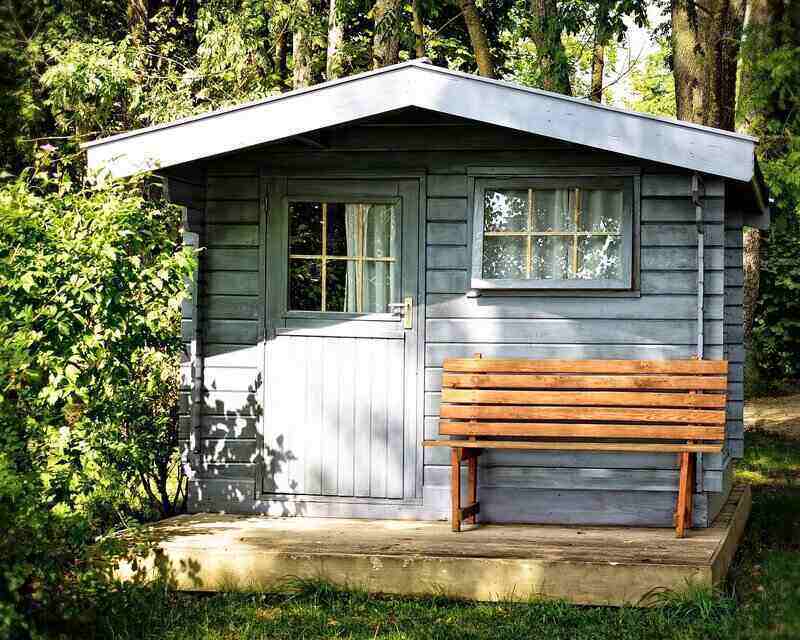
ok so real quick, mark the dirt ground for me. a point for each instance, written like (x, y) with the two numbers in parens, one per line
(780, 415)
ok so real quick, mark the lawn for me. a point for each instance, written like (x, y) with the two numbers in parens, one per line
(760, 600)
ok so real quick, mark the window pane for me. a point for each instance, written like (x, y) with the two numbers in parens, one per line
(336, 284)
(305, 286)
(381, 286)
(551, 257)
(381, 237)
(305, 228)
(601, 210)
(341, 239)
(504, 257)
(505, 210)
(553, 210)
(599, 258)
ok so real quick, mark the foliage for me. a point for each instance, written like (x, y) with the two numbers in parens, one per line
(653, 84)
(771, 109)
(91, 281)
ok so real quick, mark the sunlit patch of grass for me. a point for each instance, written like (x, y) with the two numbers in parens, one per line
(769, 460)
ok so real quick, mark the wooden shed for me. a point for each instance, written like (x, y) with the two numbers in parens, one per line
(357, 233)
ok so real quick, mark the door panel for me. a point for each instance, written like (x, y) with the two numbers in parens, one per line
(340, 393)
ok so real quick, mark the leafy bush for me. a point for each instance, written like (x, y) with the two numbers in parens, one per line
(91, 281)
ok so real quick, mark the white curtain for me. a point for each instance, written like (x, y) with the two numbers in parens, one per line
(372, 232)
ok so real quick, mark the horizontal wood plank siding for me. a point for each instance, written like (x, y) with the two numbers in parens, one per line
(733, 330)
(231, 409)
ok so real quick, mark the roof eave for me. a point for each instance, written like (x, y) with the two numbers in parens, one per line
(417, 84)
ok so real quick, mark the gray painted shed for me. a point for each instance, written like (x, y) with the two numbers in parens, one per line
(291, 410)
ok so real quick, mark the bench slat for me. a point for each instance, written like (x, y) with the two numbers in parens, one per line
(577, 381)
(498, 365)
(556, 430)
(584, 398)
(641, 447)
(607, 414)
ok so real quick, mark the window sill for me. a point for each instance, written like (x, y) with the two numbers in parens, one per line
(550, 289)
(549, 285)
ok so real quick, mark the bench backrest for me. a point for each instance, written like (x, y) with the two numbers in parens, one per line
(661, 400)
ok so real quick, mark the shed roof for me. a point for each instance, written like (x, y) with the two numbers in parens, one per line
(420, 84)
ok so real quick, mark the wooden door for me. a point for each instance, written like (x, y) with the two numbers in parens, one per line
(341, 339)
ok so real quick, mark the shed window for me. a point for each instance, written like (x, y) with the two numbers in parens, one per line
(343, 256)
(553, 234)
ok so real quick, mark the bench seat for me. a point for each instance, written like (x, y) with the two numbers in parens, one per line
(657, 406)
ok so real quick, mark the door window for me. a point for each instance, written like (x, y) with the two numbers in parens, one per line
(343, 256)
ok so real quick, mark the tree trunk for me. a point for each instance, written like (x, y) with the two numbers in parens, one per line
(386, 39)
(279, 59)
(546, 36)
(139, 13)
(335, 61)
(302, 47)
(419, 29)
(477, 36)
(598, 66)
(601, 38)
(705, 45)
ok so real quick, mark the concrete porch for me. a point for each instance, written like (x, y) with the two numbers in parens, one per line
(586, 565)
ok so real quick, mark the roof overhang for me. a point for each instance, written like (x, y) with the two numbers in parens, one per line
(420, 84)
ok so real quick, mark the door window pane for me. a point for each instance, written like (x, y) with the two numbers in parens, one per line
(337, 224)
(380, 286)
(305, 284)
(504, 257)
(380, 231)
(505, 210)
(343, 257)
(336, 285)
(305, 228)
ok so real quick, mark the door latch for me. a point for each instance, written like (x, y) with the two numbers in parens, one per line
(405, 309)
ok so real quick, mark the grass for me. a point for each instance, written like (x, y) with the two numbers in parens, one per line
(760, 601)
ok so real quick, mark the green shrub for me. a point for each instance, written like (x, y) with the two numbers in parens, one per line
(91, 281)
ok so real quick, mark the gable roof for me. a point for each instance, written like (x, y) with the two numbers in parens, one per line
(420, 84)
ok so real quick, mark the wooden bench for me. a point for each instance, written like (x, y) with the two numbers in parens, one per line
(636, 406)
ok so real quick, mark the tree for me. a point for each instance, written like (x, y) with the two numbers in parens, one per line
(335, 58)
(705, 46)
(653, 84)
(552, 58)
(478, 39)
(601, 37)
(419, 29)
(386, 37)
(303, 47)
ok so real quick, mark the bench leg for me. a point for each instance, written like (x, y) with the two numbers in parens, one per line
(455, 488)
(683, 510)
(472, 488)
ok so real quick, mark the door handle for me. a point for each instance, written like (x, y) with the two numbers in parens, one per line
(405, 309)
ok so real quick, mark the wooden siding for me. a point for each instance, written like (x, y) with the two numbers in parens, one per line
(230, 412)
(733, 332)
(658, 320)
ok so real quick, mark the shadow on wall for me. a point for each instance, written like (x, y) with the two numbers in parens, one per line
(233, 465)
(334, 425)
